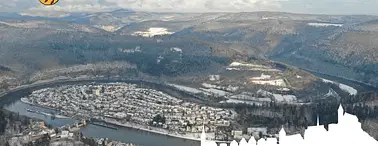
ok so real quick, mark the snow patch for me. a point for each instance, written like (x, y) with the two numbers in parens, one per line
(284, 98)
(176, 49)
(206, 85)
(216, 92)
(252, 67)
(262, 77)
(278, 97)
(324, 24)
(245, 97)
(238, 64)
(241, 102)
(214, 77)
(278, 82)
(187, 89)
(255, 69)
(153, 31)
(133, 50)
(346, 88)
(229, 88)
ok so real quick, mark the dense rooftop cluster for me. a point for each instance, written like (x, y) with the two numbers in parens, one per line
(129, 103)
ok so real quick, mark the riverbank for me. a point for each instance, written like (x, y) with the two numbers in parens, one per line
(187, 136)
(320, 74)
(191, 136)
(46, 107)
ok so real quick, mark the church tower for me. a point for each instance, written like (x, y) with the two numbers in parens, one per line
(282, 135)
(203, 136)
(340, 114)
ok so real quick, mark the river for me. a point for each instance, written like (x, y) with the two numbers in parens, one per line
(11, 102)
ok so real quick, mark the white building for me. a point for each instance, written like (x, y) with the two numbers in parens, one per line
(347, 132)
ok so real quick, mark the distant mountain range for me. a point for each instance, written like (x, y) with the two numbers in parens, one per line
(343, 46)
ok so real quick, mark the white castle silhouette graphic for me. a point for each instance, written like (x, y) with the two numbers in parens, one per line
(347, 132)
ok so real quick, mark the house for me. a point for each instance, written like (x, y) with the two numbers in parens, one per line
(257, 130)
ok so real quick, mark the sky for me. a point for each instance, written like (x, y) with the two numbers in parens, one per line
(369, 7)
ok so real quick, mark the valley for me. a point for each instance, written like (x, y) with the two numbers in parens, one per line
(257, 63)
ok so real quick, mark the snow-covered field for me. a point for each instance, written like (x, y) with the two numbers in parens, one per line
(343, 87)
(278, 82)
(175, 49)
(284, 98)
(187, 89)
(324, 24)
(206, 85)
(209, 90)
(216, 92)
(214, 77)
(153, 31)
(228, 88)
(252, 67)
(262, 77)
(243, 97)
(278, 97)
(241, 102)
(236, 64)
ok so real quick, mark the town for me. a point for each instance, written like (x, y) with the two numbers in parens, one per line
(129, 105)
(38, 133)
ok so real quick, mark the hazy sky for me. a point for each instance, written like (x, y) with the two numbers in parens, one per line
(297, 6)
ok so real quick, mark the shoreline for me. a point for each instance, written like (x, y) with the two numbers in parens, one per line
(130, 125)
(340, 77)
(58, 116)
(53, 82)
(142, 128)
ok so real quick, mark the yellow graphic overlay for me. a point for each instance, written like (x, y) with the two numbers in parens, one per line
(48, 2)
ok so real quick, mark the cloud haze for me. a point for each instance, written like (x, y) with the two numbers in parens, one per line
(297, 6)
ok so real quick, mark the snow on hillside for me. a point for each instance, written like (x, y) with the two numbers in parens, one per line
(278, 97)
(187, 89)
(284, 98)
(248, 66)
(229, 88)
(324, 24)
(238, 64)
(278, 82)
(343, 87)
(241, 102)
(175, 49)
(214, 77)
(262, 77)
(254, 69)
(153, 31)
(216, 92)
(349, 89)
(244, 97)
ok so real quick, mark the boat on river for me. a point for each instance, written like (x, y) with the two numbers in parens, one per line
(31, 111)
(46, 114)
